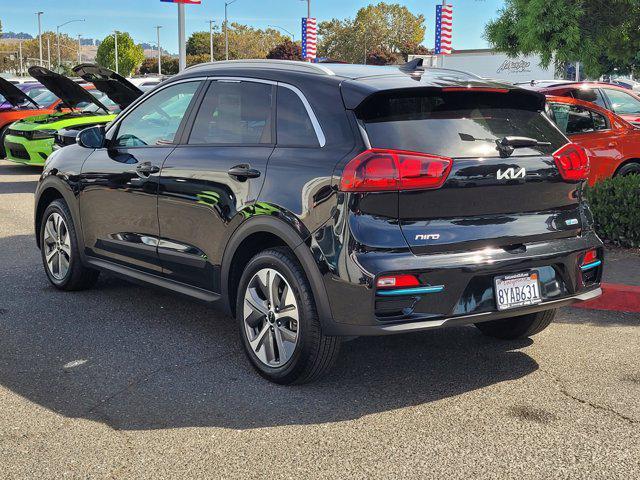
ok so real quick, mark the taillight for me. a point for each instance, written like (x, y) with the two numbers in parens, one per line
(572, 161)
(379, 169)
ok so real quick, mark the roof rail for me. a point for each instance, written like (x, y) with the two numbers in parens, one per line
(269, 63)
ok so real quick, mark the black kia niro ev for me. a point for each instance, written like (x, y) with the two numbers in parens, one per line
(321, 201)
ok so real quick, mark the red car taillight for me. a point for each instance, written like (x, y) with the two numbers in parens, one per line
(572, 161)
(379, 169)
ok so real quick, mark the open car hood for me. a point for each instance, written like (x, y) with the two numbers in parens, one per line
(115, 86)
(14, 95)
(64, 88)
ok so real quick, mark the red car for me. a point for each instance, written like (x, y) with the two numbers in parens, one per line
(616, 99)
(613, 143)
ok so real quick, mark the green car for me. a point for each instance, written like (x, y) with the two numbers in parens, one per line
(31, 140)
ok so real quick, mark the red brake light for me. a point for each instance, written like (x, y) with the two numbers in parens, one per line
(590, 257)
(379, 169)
(476, 89)
(572, 161)
(396, 281)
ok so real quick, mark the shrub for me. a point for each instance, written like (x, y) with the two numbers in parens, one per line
(615, 203)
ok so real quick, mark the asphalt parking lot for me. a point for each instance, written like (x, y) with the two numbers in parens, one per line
(125, 381)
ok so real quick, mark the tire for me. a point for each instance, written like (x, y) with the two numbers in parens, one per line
(59, 244)
(517, 327)
(631, 168)
(282, 360)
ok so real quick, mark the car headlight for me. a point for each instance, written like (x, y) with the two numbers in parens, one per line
(42, 134)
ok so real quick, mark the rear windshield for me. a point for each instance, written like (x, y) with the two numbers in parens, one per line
(456, 124)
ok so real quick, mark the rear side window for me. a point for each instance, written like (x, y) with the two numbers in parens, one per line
(456, 124)
(623, 103)
(574, 119)
(235, 113)
(294, 125)
(593, 95)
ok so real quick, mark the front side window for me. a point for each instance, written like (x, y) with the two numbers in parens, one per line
(623, 103)
(573, 119)
(156, 120)
(235, 113)
(294, 127)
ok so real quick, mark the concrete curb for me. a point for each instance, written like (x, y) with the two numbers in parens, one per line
(615, 297)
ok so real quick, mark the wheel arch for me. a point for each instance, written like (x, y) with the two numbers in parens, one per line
(50, 189)
(260, 233)
(624, 163)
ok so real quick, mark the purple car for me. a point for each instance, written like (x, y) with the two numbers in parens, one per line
(34, 90)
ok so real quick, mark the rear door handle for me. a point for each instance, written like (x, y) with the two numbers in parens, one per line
(242, 172)
(147, 168)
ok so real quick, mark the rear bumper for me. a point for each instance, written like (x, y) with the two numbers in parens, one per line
(416, 326)
(467, 295)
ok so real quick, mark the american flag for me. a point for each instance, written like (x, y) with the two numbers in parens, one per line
(309, 38)
(188, 2)
(444, 28)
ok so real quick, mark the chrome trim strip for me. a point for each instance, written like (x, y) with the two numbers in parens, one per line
(314, 120)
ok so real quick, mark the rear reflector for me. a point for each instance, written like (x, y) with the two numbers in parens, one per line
(397, 281)
(379, 169)
(573, 162)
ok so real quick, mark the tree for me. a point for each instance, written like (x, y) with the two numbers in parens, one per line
(244, 42)
(380, 56)
(385, 27)
(601, 35)
(150, 65)
(130, 55)
(199, 44)
(287, 50)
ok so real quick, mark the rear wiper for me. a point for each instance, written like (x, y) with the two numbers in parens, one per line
(506, 145)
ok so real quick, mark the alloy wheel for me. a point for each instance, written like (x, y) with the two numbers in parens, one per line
(271, 322)
(57, 246)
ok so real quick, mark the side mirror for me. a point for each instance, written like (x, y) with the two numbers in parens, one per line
(92, 137)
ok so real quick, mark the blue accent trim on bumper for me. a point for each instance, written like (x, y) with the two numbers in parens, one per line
(591, 265)
(411, 291)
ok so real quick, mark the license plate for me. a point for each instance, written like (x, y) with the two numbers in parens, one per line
(517, 290)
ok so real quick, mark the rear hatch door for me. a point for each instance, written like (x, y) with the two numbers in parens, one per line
(492, 197)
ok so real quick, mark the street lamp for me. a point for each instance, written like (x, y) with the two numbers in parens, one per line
(158, 27)
(79, 48)
(58, 36)
(211, 22)
(115, 36)
(226, 29)
(39, 14)
(293, 38)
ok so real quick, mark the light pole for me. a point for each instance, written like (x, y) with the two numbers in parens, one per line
(49, 52)
(79, 48)
(158, 27)
(182, 46)
(293, 38)
(115, 36)
(39, 14)
(308, 7)
(58, 36)
(211, 38)
(226, 29)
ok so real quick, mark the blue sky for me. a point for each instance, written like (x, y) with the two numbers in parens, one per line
(139, 17)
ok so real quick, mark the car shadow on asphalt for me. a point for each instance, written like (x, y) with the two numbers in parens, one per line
(135, 358)
(22, 186)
